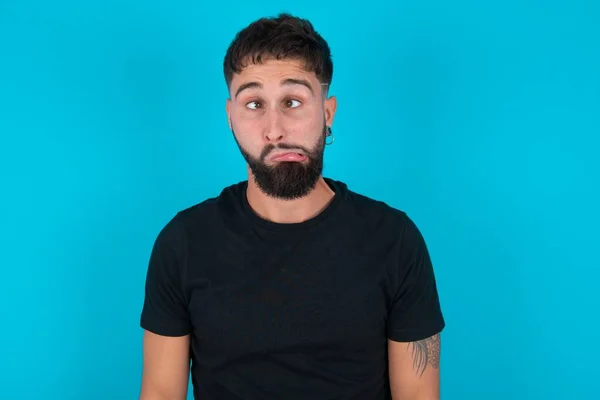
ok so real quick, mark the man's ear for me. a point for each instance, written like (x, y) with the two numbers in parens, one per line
(228, 111)
(330, 108)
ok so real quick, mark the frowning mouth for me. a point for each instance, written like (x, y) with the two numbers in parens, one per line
(288, 156)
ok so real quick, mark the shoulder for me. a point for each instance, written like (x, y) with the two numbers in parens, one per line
(202, 216)
(381, 220)
(373, 210)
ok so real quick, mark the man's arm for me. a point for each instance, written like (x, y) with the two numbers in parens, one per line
(415, 322)
(166, 367)
(165, 318)
(414, 369)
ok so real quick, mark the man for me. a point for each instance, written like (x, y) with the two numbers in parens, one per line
(289, 285)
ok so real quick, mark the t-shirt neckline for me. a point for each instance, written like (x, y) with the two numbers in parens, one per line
(339, 194)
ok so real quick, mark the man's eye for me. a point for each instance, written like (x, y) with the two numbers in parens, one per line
(254, 105)
(292, 103)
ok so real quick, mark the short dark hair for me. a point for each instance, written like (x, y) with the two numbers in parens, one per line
(281, 37)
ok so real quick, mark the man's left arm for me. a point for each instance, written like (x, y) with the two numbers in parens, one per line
(414, 369)
(415, 323)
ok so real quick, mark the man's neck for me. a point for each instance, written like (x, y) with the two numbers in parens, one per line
(289, 211)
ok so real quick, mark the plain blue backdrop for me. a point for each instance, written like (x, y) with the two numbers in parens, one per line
(480, 119)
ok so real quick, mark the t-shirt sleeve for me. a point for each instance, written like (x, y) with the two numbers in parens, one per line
(165, 310)
(415, 313)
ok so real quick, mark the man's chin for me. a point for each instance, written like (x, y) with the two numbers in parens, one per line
(288, 181)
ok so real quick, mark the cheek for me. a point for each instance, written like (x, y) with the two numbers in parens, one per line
(306, 130)
(247, 123)
(248, 133)
(307, 121)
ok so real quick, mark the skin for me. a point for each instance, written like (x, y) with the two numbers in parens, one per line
(166, 367)
(270, 103)
(414, 369)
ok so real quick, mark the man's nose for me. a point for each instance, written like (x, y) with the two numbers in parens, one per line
(274, 130)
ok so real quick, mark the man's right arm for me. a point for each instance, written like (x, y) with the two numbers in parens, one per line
(166, 367)
(165, 319)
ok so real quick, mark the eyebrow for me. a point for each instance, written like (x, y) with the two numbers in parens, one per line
(286, 82)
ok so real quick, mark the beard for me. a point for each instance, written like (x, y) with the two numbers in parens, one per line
(291, 179)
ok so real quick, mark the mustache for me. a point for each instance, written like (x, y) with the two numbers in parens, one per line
(269, 148)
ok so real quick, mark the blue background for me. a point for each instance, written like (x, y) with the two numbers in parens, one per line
(479, 119)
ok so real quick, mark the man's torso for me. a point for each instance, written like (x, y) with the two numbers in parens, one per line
(294, 311)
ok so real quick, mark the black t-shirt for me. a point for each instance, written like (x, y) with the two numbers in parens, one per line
(291, 311)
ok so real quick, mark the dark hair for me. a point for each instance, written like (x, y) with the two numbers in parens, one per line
(281, 37)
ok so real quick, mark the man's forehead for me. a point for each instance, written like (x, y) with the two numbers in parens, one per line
(275, 73)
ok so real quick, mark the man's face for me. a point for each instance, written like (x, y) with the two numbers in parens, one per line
(278, 114)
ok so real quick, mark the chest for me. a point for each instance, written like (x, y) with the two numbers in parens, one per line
(290, 299)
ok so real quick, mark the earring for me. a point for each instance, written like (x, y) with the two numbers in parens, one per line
(329, 135)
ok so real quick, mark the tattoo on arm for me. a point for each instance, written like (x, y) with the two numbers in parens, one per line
(425, 352)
